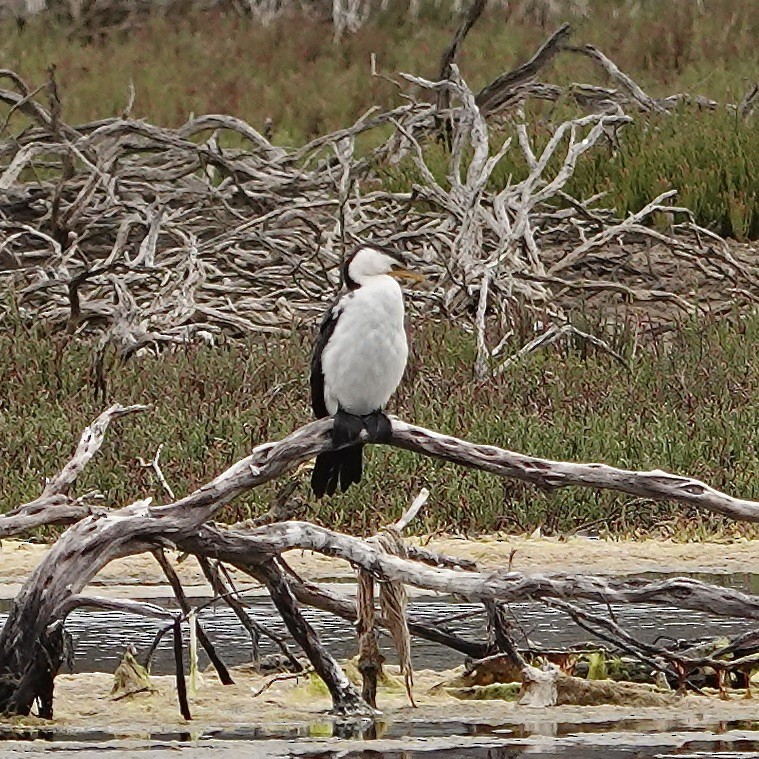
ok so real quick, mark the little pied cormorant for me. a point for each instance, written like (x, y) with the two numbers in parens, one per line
(358, 359)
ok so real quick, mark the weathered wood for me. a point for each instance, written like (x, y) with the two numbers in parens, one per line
(184, 605)
(219, 579)
(499, 627)
(748, 103)
(54, 505)
(223, 589)
(419, 553)
(618, 76)
(345, 698)
(474, 11)
(184, 705)
(370, 659)
(127, 605)
(97, 539)
(491, 97)
(66, 275)
(545, 473)
(539, 686)
(233, 546)
(20, 689)
(269, 460)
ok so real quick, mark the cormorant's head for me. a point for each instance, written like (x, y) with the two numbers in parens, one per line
(367, 261)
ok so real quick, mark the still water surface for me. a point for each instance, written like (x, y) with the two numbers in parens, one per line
(101, 637)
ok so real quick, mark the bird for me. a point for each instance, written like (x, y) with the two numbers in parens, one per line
(358, 360)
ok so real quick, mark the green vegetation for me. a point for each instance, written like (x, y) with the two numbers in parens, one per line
(689, 407)
(295, 75)
(710, 158)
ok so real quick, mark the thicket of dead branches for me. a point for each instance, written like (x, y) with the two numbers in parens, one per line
(33, 644)
(149, 236)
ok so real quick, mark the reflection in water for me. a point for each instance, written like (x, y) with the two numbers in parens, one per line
(367, 729)
(451, 740)
(642, 739)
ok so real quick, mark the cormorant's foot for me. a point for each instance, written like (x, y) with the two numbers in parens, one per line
(378, 426)
(347, 429)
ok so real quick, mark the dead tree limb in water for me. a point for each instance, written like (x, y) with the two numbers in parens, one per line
(31, 642)
(184, 605)
(246, 549)
(345, 698)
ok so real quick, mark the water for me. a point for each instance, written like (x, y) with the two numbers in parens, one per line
(641, 739)
(100, 637)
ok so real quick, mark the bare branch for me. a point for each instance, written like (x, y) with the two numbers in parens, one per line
(492, 97)
(54, 506)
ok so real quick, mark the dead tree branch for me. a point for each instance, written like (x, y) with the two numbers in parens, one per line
(131, 260)
(492, 97)
(186, 608)
(254, 545)
(31, 641)
(449, 54)
(55, 506)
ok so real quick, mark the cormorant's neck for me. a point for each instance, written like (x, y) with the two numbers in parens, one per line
(373, 280)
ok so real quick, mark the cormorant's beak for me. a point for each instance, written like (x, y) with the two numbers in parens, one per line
(415, 276)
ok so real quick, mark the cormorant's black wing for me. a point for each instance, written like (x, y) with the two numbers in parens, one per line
(343, 466)
(326, 328)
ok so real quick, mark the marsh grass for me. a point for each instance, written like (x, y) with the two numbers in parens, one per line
(293, 72)
(295, 75)
(688, 407)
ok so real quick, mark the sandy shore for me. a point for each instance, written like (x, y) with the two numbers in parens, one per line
(83, 702)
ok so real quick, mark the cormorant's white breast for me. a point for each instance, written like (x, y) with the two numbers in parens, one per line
(360, 354)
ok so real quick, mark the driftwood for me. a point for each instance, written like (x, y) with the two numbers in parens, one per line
(497, 94)
(186, 608)
(32, 641)
(55, 506)
(147, 237)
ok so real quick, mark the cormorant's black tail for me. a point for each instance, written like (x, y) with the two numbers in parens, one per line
(344, 465)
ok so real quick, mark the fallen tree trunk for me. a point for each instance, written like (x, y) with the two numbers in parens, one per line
(31, 643)
(270, 460)
(345, 698)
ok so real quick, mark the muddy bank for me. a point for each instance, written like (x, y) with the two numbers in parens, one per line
(294, 709)
(291, 719)
(298, 708)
